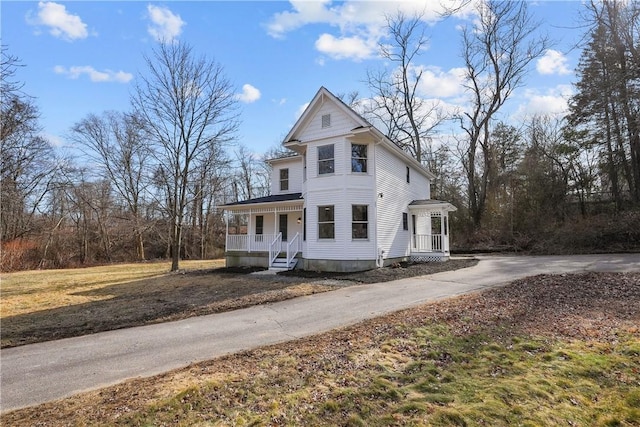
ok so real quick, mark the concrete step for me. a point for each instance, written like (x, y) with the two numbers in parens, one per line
(280, 264)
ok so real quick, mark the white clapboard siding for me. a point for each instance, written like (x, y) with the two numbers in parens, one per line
(294, 164)
(396, 196)
(339, 164)
(343, 246)
(341, 123)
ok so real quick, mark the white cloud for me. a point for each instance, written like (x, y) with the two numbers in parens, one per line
(553, 62)
(249, 94)
(61, 23)
(53, 140)
(165, 25)
(345, 47)
(360, 25)
(553, 102)
(441, 84)
(301, 110)
(94, 75)
(304, 12)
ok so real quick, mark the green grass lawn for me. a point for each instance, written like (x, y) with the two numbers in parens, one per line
(424, 376)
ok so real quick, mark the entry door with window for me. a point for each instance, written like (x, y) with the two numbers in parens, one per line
(413, 229)
(283, 226)
(259, 228)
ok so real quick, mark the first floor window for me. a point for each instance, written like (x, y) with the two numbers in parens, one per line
(326, 222)
(359, 222)
(405, 221)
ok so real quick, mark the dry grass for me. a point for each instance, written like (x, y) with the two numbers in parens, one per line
(52, 304)
(30, 291)
(548, 350)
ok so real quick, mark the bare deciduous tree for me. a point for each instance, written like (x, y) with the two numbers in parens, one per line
(497, 50)
(118, 142)
(27, 160)
(187, 104)
(407, 118)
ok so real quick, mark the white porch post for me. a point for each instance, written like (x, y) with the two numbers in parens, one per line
(249, 232)
(442, 236)
(275, 221)
(447, 230)
(226, 233)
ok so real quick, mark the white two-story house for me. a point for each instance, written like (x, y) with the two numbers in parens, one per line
(349, 200)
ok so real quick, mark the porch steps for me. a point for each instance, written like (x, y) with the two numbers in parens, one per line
(280, 264)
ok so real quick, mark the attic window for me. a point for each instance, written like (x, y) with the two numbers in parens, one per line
(326, 120)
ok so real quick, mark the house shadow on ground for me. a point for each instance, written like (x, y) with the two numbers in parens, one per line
(186, 294)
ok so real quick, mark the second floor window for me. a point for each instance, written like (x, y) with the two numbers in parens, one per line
(284, 179)
(358, 158)
(325, 160)
(326, 222)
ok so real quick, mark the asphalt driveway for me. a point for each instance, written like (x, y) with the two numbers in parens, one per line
(38, 373)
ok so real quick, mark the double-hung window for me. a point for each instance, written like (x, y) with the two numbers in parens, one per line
(326, 160)
(284, 179)
(326, 222)
(359, 222)
(358, 158)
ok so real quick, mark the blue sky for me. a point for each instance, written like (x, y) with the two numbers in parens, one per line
(82, 57)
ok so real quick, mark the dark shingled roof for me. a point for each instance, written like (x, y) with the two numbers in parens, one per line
(268, 199)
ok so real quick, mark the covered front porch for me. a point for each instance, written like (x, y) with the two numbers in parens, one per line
(265, 232)
(430, 230)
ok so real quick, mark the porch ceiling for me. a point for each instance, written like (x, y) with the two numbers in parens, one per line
(432, 205)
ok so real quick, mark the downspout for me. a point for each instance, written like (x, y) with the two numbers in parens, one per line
(378, 251)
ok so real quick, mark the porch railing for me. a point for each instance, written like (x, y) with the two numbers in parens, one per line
(274, 248)
(427, 243)
(293, 247)
(249, 242)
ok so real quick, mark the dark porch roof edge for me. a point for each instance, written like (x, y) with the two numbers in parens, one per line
(268, 199)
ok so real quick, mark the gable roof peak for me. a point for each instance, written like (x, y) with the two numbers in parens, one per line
(319, 98)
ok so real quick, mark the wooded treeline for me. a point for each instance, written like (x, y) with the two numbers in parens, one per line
(149, 180)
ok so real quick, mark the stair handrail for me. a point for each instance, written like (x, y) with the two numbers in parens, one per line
(291, 256)
(273, 253)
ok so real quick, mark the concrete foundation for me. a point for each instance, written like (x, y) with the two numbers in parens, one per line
(260, 259)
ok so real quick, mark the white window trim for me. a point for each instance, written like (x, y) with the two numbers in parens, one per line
(324, 239)
(366, 159)
(332, 159)
(284, 180)
(359, 222)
